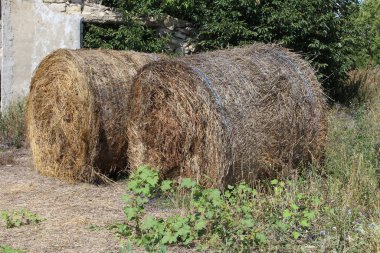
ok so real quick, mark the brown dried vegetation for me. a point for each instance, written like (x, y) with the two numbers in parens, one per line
(76, 113)
(226, 116)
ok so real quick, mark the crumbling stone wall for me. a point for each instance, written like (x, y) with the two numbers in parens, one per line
(32, 29)
(183, 34)
(91, 11)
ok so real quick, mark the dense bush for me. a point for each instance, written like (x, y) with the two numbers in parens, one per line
(129, 36)
(323, 30)
(12, 125)
(369, 22)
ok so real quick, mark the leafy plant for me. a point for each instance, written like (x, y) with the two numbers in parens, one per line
(210, 218)
(368, 20)
(326, 32)
(6, 249)
(12, 124)
(131, 35)
(19, 218)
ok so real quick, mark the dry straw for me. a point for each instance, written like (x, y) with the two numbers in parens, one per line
(364, 84)
(76, 113)
(226, 116)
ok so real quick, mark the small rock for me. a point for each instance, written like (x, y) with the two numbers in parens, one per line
(180, 51)
(180, 35)
(177, 41)
(187, 31)
(163, 31)
(170, 22)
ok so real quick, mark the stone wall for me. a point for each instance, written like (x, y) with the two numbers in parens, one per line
(91, 11)
(31, 29)
(182, 33)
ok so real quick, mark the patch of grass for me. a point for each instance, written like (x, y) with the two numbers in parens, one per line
(362, 86)
(6, 159)
(19, 218)
(6, 249)
(12, 125)
(214, 220)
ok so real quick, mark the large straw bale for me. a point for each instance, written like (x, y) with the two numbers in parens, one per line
(226, 116)
(76, 113)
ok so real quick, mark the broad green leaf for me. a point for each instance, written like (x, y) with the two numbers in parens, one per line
(296, 235)
(274, 182)
(149, 222)
(199, 225)
(304, 223)
(286, 214)
(188, 183)
(166, 185)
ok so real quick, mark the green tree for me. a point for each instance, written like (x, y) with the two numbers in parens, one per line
(322, 30)
(368, 22)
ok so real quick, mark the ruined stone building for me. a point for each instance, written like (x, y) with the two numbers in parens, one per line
(33, 28)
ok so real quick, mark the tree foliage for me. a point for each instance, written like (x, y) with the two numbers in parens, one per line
(368, 21)
(323, 31)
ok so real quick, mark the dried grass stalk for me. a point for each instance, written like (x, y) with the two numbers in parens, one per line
(76, 113)
(226, 116)
(364, 84)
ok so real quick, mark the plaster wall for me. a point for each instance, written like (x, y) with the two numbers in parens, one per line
(30, 30)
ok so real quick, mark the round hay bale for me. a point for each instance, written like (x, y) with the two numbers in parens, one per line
(226, 116)
(76, 113)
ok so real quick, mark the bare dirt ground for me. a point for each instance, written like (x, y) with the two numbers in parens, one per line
(69, 210)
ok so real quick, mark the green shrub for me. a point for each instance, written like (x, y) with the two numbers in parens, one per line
(326, 32)
(363, 86)
(6, 249)
(19, 218)
(130, 36)
(332, 208)
(238, 219)
(12, 125)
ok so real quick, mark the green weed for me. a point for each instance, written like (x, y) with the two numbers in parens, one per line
(12, 125)
(238, 219)
(5, 249)
(334, 207)
(19, 218)
(330, 208)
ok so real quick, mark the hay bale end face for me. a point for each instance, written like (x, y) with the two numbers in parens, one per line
(226, 116)
(76, 113)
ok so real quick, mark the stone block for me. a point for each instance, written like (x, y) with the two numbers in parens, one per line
(73, 9)
(170, 22)
(162, 31)
(151, 21)
(187, 31)
(61, 7)
(96, 13)
(54, 1)
(81, 2)
(178, 42)
(180, 35)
